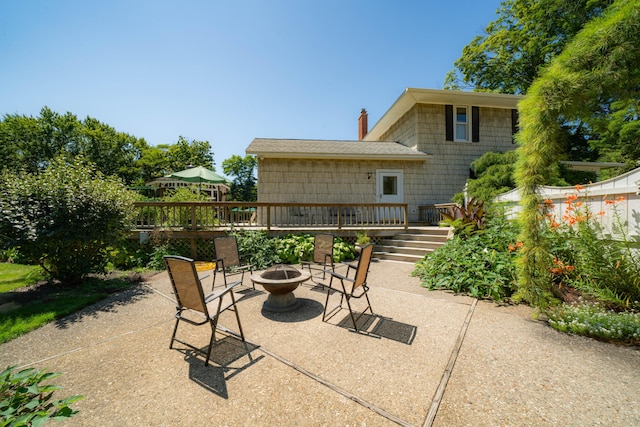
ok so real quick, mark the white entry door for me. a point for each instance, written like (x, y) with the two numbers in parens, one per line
(389, 190)
(389, 186)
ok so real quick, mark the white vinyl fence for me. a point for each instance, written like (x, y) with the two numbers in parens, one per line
(595, 197)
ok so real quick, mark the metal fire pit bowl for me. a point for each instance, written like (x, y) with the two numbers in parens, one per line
(280, 281)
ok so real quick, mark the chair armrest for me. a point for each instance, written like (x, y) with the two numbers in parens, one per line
(338, 275)
(222, 292)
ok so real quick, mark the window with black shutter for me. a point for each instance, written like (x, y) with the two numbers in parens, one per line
(514, 125)
(475, 124)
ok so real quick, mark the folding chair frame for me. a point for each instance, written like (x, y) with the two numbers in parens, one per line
(199, 307)
(358, 285)
(321, 256)
(224, 245)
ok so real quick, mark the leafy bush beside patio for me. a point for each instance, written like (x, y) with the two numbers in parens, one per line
(263, 251)
(26, 398)
(478, 262)
(64, 217)
(594, 273)
(294, 248)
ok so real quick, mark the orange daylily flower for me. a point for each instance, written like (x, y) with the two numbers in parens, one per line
(579, 187)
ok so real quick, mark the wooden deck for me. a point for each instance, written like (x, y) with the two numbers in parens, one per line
(217, 216)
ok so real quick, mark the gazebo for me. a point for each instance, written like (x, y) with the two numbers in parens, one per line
(199, 179)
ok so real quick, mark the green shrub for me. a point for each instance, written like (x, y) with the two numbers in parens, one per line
(481, 264)
(65, 217)
(294, 248)
(25, 401)
(255, 247)
(343, 251)
(11, 254)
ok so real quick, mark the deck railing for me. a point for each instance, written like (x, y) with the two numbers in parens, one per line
(216, 215)
(432, 214)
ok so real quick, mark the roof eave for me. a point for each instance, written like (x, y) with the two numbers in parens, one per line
(332, 156)
(413, 96)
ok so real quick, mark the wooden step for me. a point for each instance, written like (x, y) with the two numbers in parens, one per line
(412, 245)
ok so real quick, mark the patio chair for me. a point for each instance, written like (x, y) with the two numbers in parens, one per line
(196, 308)
(228, 259)
(354, 287)
(322, 254)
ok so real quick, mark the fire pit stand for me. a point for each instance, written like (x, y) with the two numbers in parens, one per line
(280, 281)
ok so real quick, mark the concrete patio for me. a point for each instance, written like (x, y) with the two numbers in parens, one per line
(427, 358)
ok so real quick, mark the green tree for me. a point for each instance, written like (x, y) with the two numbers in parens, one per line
(515, 47)
(30, 143)
(153, 163)
(512, 53)
(601, 63)
(186, 153)
(64, 217)
(113, 152)
(620, 133)
(241, 169)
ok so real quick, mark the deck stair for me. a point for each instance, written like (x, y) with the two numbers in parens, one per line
(411, 245)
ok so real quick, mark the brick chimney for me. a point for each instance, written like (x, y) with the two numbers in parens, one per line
(363, 126)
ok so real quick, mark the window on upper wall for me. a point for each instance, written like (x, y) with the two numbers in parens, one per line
(462, 123)
(462, 119)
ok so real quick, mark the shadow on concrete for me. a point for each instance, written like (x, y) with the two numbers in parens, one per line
(229, 357)
(307, 310)
(381, 327)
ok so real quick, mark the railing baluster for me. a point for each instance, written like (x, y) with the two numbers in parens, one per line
(213, 215)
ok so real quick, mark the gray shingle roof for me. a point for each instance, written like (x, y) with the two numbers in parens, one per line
(308, 148)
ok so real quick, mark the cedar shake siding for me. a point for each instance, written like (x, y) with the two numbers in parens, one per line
(415, 136)
(424, 127)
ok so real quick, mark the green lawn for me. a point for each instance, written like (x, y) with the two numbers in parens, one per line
(14, 276)
(26, 310)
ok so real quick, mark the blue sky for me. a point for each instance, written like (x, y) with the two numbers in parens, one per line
(228, 71)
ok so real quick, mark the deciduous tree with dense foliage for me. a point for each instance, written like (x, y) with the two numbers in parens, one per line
(186, 153)
(527, 34)
(242, 170)
(64, 217)
(30, 143)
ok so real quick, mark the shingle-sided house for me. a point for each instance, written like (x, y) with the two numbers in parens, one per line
(418, 153)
